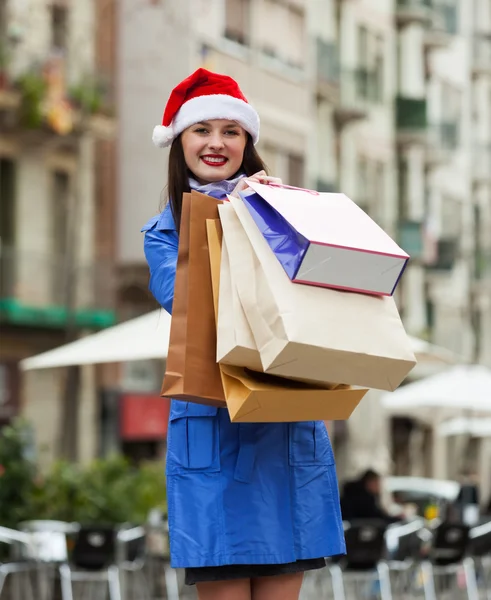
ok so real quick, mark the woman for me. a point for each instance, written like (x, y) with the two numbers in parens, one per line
(251, 506)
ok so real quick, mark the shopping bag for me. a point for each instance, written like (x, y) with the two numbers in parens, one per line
(312, 333)
(191, 371)
(259, 398)
(235, 342)
(325, 239)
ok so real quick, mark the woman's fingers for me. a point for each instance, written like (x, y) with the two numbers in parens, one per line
(259, 177)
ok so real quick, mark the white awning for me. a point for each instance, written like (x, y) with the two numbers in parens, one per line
(142, 338)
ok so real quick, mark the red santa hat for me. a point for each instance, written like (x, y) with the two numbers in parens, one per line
(201, 97)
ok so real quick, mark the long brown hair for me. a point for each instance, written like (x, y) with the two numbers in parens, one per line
(178, 173)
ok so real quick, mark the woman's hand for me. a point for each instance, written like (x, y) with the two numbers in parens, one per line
(259, 177)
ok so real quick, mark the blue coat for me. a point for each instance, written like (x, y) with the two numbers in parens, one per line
(245, 493)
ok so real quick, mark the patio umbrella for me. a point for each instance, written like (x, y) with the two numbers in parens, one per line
(459, 391)
(478, 428)
(142, 338)
(147, 337)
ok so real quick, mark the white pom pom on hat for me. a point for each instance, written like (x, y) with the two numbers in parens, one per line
(162, 136)
(204, 96)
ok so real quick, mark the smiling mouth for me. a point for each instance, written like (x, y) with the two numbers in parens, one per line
(214, 161)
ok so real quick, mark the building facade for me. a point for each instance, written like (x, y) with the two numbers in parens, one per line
(388, 101)
(56, 277)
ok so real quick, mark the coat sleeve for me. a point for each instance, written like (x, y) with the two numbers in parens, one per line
(160, 248)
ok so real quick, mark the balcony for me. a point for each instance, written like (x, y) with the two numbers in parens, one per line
(411, 120)
(411, 11)
(443, 24)
(446, 255)
(33, 292)
(481, 164)
(327, 70)
(37, 105)
(360, 91)
(481, 55)
(442, 141)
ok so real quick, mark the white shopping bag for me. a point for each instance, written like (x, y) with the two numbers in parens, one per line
(325, 239)
(235, 342)
(312, 333)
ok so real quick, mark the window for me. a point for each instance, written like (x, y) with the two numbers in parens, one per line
(451, 218)
(362, 46)
(403, 185)
(7, 226)
(3, 25)
(283, 164)
(285, 41)
(237, 21)
(61, 202)
(7, 205)
(59, 26)
(379, 68)
(295, 170)
(371, 64)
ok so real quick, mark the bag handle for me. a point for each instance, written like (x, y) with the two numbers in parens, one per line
(291, 187)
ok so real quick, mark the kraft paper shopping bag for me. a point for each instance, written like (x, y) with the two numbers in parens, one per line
(191, 370)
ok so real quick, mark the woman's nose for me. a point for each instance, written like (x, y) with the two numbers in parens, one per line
(216, 142)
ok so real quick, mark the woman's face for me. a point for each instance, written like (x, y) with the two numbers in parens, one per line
(213, 150)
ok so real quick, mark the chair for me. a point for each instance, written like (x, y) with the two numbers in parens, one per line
(480, 551)
(363, 572)
(10, 569)
(405, 543)
(447, 561)
(106, 555)
(158, 560)
(47, 549)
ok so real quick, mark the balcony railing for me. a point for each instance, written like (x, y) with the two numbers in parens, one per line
(446, 254)
(324, 185)
(411, 238)
(413, 10)
(410, 115)
(34, 290)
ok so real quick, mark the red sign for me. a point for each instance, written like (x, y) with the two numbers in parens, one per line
(144, 417)
(9, 391)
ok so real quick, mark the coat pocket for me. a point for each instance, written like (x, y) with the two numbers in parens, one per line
(193, 438)
(309, 444)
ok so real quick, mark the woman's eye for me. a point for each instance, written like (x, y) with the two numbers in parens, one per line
(201, 130)
(232, 132)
